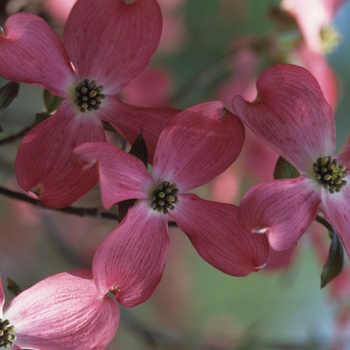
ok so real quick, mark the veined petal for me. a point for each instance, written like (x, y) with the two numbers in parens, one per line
(43, 163)
(316, 63)
(130, 120)
(32, 53)
(197, 145)
(214, 232)
(64, 311)
(290, 114)
(283, 209)
(122, 176)
(113, 42)
(131, 260)
(336, 209)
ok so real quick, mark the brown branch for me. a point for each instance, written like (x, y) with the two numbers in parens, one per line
(97, 213)
(15, 137)
(91, 212)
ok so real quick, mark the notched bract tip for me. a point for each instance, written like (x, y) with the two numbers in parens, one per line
(259, 231)
(89, 165)
(38, 190)
(2, 32)
(224, 112)
(256, 269)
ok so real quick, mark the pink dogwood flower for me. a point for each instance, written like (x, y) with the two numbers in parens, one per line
(292, 115)
(64, 311)
(196, 145)
(314, 19)
(105, 47)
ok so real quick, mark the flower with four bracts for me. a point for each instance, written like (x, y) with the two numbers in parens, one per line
(292, 115)
(196, 146)
(105, 47)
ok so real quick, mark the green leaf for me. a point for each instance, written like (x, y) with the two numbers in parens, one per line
(284, 170)
(13, 287)
(40, 117)
(139, 150)
(335, 261)
(8, 93)
(123, 208)
(51, 102)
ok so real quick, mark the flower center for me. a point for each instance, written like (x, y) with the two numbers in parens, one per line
(88, 95)
(6, 336)
(330, 174)
(164, 197)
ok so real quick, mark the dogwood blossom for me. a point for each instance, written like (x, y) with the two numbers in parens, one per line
(197, 145)
(64, 311)
(314, 18)
(105, 47)
(292, 115)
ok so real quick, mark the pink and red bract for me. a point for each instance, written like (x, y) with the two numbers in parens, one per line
(292, 115)
(197, 145)
(111, 44)
(64, 311)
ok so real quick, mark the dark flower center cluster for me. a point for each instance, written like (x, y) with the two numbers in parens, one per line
(330, 174)
(164, 197)
(6, 336)
(88, 95)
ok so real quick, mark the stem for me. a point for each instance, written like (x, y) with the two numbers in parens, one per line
(92, 212)
(97, 213)
(15, 137)
(326, 224)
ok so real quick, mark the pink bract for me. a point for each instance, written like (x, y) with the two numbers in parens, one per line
(292, 115)
(111, 44)
(64, 311)
(196, 146)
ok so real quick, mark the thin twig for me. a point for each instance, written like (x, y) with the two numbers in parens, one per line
(97, 213)
(79, 211)
(15, 137)
(326, 224)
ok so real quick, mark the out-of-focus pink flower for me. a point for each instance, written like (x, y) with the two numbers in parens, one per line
(87, 72)
(196, 145)
(318, 66)
(292, 115)
(173, 32)
(151, 88)
(257, 161)
(314, 18)
(64, 311)
(242, 80)
(59, 10)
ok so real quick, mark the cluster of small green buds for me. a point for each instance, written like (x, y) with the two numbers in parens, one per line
(6, 336)
(164, 197)
(330, 174)
(88, 95)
